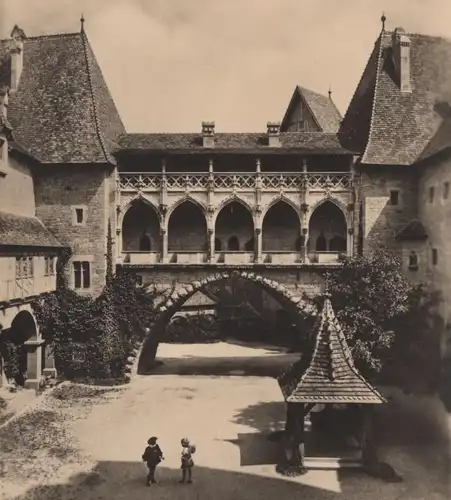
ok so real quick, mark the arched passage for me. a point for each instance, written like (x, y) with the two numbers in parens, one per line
(280, 228)
(234, 227)
(23, 328)
(327, 229)
(187, 228)
(298, 308)
(140, 228)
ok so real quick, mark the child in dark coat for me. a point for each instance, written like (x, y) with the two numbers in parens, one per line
(152, 456)
(188, 450)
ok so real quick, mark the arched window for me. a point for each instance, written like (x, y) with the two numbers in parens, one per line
(413, 261)
(144, 243)
(321, 244)
(233, 244)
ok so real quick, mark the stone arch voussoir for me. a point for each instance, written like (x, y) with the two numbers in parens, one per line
(175, 300)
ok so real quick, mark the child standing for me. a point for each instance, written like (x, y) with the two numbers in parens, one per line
(152, 456)
(188, 450)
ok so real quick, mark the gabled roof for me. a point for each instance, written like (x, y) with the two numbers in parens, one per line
(16, 230)
(414, 231)
(397, 128)
(322, 108)
(311, 142)
(330, 375)
(62, 111)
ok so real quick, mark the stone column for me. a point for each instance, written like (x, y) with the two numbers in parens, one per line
(34, 363)
(258, 255)
(164, 245)
(304, 234)
(211, 244)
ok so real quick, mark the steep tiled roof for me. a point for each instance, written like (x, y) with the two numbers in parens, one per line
(414, 231)
(322, 108)
(17, 230)
(62, 111)
(330, 375)
(313, 142)
(402, 125)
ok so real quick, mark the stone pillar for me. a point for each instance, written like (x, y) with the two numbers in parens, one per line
(211, 244)
(34, 363)
(49, 368)
(305, 234)
(164, 245)
(258, 256)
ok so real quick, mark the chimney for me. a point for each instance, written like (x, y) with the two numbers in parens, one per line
(401, 58)
(208, 134)
(16, 50)
(273, 134)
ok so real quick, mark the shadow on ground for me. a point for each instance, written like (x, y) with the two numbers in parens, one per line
(125, 480)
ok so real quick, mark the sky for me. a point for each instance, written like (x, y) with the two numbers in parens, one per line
(171, 64)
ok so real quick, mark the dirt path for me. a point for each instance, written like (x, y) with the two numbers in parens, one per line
(228, 418)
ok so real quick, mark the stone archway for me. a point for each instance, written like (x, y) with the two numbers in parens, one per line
(166, 309)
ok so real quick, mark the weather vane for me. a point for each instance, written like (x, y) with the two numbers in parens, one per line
(383, 19)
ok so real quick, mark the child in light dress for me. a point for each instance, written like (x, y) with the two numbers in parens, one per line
(188, 449)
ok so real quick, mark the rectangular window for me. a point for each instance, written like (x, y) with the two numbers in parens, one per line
(394, 197)
(446, 190)
(24, 267)
(431, 194)
(49, 266)
(434, 256)
(82, 274)
(78, 216)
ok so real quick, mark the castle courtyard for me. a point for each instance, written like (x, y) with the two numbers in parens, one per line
(80, 442)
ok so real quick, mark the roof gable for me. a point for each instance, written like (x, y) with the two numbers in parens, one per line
(312, 108)
(402, 125)
(62, 111)
(330, 376)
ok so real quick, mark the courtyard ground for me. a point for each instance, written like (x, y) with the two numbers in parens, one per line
(86, 443)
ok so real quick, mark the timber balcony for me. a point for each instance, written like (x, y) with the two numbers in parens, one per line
(248, 181)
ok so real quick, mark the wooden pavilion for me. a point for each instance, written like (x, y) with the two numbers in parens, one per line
(327, 377)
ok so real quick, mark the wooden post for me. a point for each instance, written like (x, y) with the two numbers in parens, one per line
(294, 447)
(369, 451)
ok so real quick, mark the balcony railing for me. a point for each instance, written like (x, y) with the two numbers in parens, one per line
(230, 258)
(23, 288)
(248, 181)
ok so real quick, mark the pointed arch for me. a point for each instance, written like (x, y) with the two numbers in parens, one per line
(328, 228)
(234, 224)
(282, 199)
(187, 226)
(131, 203)
(186, 198)
(322, 201)
(139, 220)
(228, 201)
(281, 226)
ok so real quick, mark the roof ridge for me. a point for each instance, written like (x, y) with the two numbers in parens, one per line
(373, 104)
(85, 41)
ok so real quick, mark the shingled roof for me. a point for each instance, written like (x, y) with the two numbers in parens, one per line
(329, 376)
(62, 111)
(322, 108)
(397, 128)
(16, 230)
(414, 231)
(311, 142)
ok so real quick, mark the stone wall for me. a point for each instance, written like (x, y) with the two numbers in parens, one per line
(16, 188)
(381, 220)
(436, 216)
(60, 190)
